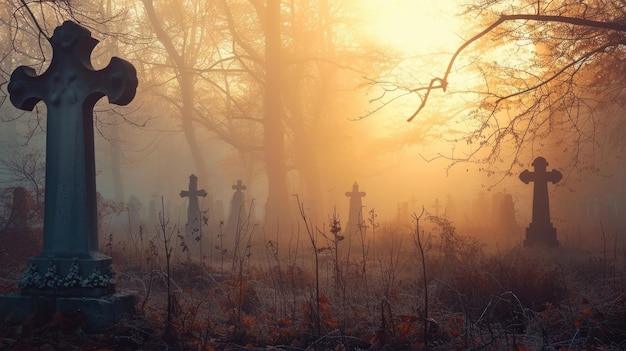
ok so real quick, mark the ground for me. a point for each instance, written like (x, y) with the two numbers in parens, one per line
(339, 296)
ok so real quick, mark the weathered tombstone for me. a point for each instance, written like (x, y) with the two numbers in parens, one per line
(18, 221)
(237, 214)
(355, 213)
(540, 232)
(193, 228)
(69, 275)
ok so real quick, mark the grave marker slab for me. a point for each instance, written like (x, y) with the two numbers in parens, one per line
(540, 232)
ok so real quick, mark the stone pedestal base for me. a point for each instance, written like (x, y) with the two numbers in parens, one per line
(544, 236)
(96, 313)
(56, 276)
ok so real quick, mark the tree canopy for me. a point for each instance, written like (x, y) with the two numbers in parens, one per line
(552, 81)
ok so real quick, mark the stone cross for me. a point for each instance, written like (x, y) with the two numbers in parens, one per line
(355, 215)
(194, 217)
(236, 216)
(540, 231)
(70, 88)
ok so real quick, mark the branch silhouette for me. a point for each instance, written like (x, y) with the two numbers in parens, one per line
(443, 81)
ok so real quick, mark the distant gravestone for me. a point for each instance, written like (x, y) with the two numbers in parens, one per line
(237, 214)
(540, 232)
(69, 265)
(18, 221)
(355, 213)
(193, 229)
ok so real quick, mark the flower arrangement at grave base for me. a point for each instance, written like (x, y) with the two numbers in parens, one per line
(51, 279)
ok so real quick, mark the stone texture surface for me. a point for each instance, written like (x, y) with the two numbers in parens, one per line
(95, 313)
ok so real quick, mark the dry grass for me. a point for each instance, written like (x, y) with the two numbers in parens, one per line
(267, 299)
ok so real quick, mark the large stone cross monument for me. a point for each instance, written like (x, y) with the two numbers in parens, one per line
(540, 232)
(69, 264)
(355, 215)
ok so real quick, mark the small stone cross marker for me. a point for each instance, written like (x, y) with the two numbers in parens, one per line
(194, 221)
(540, 231)
(237, 210)
(355, 216)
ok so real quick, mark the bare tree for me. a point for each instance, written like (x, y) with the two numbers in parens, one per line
(553, 76)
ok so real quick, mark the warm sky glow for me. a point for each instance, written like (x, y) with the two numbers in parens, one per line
(414, 27)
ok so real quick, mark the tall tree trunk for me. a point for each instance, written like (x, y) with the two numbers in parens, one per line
(187, 113)
(277, 209)
(185, 80)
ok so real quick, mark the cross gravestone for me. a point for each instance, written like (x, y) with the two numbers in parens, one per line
(193, 229)
(237, 213)
(540, 232)
(355, 215)
(69, 265)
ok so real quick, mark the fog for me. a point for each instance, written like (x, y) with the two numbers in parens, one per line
(356, 128)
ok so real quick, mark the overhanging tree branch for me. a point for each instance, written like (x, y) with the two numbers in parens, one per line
(615, 26)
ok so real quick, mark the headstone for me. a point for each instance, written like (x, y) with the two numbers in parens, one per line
(355, 213)
(237, 215)
(540, 232)
(69, 274)
(193, 228)
(20, 210)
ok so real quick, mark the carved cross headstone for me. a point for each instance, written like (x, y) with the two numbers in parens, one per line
(540, 231)
(237, 213)
(194, 216)
(70, 88)
(355, 215)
